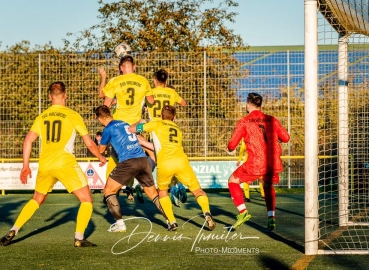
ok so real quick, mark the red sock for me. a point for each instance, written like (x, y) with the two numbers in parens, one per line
(237, 196)
(270, 198)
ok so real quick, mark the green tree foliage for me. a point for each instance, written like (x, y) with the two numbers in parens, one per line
(168, 34)
(24, 47)
(156, 31)
(157, 25)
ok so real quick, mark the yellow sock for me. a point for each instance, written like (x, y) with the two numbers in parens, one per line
(27, 212)
(262, 194)
(83, 216)
(203, 201)
(246, 190)
(167, 206)
(112, 163)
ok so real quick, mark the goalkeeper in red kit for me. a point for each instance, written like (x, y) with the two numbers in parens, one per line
(262, 134)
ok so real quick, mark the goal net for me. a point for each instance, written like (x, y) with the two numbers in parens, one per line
(342, 100)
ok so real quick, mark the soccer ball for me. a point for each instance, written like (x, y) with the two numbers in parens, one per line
(122, 49)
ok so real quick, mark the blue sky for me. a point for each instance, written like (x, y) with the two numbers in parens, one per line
(260, 22)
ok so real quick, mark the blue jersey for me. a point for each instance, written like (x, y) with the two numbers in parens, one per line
(124, 142)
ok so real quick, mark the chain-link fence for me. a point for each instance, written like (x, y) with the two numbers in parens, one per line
(214, 85)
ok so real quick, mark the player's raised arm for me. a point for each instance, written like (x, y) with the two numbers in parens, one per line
(108, 101)
(102, 73)
(149, 93)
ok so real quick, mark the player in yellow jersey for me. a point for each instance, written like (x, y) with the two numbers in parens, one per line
(172, 161)
(130, 91)
(57, 127)
(163, 95)
(242, 157)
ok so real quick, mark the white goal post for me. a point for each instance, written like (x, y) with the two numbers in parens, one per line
(336, 127)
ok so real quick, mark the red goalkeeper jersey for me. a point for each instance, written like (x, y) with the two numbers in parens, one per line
(262, 134)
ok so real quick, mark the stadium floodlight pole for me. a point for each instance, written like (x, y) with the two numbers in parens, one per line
(311, 127)
(343, 137)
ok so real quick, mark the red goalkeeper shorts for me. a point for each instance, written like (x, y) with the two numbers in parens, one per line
(245, 177)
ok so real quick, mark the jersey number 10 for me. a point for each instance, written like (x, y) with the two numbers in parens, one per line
(53, 131)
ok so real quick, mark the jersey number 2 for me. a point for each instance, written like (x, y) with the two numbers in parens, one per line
(172, 135)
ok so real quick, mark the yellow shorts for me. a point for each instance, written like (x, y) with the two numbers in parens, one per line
(71, 177)
(181, 169)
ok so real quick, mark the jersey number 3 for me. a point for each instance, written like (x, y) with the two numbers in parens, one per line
(131, 96)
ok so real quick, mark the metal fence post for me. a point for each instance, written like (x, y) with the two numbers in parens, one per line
(39, 83)
(289, 117)
(205, 111)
